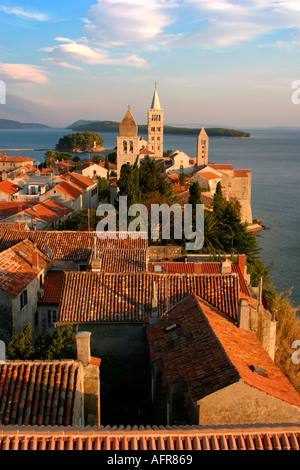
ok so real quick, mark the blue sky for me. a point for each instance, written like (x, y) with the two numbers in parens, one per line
(222, 62)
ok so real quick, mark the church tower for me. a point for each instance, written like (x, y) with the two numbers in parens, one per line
(156, 127)
(128, 142)
(202, 148)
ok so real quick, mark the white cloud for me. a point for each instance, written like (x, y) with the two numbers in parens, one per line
(24, 14)
(226, 23)
(23, 73)
(92, 55)
(119, 22)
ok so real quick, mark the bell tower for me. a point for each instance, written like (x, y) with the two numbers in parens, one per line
(156, 127)
(128, 142)
(202, 148)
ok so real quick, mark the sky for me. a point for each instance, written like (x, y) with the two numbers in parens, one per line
(216, 62)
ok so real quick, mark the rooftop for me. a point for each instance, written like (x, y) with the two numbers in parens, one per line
(204, 342)
(9, 188)
(18, 266)
(152, 438)
(48, 210)
(37, 392)
(73, 245)
(89, 297)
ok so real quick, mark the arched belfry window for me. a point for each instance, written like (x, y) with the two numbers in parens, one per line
(124, 146)
(131, 146)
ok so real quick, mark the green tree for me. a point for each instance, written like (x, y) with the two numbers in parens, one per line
(128, 183)
(60, 345)
(50, 158)
(82, 141)
(218, 199)
(195, 194)
(21, 347)
(103, 189)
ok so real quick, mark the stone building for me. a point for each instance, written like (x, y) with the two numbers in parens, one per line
(22, 273)
(52, 393)
(128, 142)
(207, 370)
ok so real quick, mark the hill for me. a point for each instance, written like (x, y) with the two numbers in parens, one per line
(113, 126)
(11, 124)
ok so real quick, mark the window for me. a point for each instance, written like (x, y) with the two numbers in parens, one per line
(52, 316)
(41, 281)
(23, 299)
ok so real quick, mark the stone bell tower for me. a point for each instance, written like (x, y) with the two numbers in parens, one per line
(202, 148)
(127, 142)
(156, 127)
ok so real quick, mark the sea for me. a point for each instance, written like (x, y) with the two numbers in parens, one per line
(272, 155)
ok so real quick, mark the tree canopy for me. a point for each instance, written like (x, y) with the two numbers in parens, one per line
(81, 141)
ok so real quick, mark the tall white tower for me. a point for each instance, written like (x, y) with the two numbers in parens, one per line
(156, 126)
(202, 148)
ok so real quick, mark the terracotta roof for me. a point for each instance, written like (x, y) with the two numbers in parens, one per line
(207, 343)
(68, 188)
(145, 151)
(241, 173)
(151, 438)
(79, 180)
(120, 260)
(48, 210)
(13, 226)
(37, 392)
(18, 268)
(72, 245)
(199, 268)
(112, 166)
(89, 297)
(221, 166)
(15, 158)
(52, 287)
(9, 188)
(209, 175)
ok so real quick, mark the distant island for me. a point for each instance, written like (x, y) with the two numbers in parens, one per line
(113, 126)
(11, 124)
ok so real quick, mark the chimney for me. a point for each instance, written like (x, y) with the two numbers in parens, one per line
(35, 259)
(244, 315)
(242, 263)
(225, 266)
(83, 347)
(91, 380)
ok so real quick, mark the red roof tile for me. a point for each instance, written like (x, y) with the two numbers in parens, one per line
(79, 180)
(48, 210)
(9, 188)
(209, 175)
(15, 158)
(205, 339)
(72, 245)
(127, 297)
(151, 438)
(200, 268)
(38, 393)
(52, 287)
(70, 189)
(17, 266)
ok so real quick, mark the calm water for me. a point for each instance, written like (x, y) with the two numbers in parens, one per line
(274, 159)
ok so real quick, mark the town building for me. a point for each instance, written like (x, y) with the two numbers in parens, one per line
(52, 393)
(8, 163)
(209, 371)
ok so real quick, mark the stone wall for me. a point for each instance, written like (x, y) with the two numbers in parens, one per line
(242, 404)
(160, 253)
